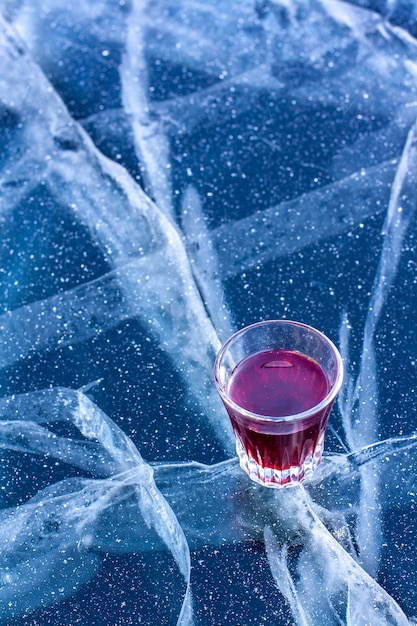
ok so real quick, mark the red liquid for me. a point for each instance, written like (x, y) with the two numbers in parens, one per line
(279, 383)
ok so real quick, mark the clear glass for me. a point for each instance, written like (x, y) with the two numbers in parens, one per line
(279, 450)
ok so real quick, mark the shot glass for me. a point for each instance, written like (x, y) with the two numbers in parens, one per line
(278, 380)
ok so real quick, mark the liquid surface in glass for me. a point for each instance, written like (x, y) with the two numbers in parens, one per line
(278, 383)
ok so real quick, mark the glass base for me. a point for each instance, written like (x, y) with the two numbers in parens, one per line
(275, 478)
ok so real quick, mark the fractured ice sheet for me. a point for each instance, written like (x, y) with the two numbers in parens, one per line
(67, 525)
(160, 287)
(61, 521)
(185, 168)
(252, 77)
(361, 425)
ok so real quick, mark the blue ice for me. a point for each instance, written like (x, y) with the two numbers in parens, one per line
(171, 171)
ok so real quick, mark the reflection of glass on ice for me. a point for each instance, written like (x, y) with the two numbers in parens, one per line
(278, 380)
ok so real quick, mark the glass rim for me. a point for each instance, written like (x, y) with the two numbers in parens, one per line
(329, 398)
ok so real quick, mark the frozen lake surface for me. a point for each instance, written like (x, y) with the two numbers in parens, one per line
(170, 171)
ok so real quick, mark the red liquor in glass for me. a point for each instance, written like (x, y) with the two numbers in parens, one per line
(279, 397)
(279, 383)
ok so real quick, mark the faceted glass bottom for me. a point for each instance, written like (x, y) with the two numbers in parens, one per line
(275, 478)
